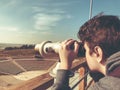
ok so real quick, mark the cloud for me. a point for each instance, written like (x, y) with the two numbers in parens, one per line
(47, 16)
(48, 10)
(46, 22)
(9, 29)
(8, 3)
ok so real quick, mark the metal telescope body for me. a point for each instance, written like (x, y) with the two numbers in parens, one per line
(48, 48)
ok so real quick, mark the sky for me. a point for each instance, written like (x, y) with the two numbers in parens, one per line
(34, 21)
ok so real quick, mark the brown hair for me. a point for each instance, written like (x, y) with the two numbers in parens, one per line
(103, 31)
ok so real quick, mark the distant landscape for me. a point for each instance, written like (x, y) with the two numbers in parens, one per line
(16, 51)
(4, 45)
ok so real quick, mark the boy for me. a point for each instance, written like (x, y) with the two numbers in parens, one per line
(101, 38)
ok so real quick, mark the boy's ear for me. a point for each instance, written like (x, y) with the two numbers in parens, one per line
(99, 53)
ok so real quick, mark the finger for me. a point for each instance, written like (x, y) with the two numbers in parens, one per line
(76, 47)
(65, 41)
(70, 42)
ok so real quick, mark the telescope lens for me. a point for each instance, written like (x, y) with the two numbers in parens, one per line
(49, 50)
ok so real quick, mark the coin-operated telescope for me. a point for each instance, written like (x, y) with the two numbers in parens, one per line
(48, 49)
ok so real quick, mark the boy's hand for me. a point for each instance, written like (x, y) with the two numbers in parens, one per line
(68, 52)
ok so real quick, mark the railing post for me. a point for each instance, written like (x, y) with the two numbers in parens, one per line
(82, 70)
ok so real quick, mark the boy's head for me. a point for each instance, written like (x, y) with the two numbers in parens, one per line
(102, 31)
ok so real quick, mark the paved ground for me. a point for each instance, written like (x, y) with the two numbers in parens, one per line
(14, 71)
